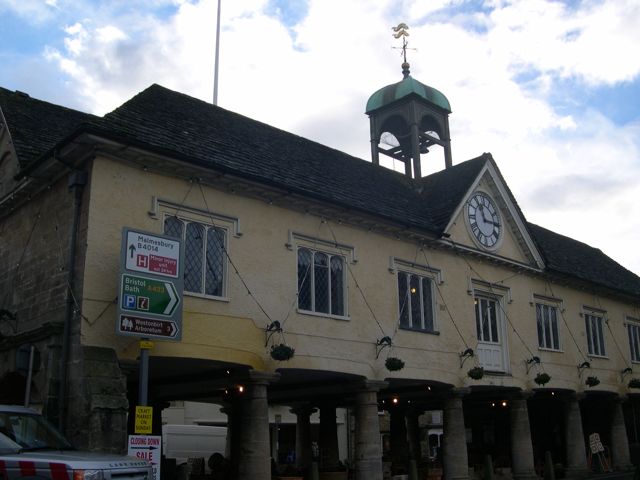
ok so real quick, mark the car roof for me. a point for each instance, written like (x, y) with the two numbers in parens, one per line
(18, 409)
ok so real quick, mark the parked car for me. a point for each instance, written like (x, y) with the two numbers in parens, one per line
(30, 447)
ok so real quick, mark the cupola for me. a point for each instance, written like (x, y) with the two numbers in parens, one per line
(407, 118)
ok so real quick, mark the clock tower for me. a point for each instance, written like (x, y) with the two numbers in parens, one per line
(407, 118)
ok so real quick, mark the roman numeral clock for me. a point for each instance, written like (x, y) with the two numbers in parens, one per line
(483, 219)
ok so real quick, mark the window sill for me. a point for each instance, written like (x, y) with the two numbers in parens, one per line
(550, 350)
(597, 357)
(206, 297)
(324, 315)
(418, 330)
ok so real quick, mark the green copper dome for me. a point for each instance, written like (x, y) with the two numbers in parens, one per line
(407, 86)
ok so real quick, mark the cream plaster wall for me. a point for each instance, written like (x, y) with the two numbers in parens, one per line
(233, 330)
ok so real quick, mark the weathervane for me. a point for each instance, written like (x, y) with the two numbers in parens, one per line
(401, 31)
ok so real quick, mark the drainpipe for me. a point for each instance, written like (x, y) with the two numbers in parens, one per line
(77, 181)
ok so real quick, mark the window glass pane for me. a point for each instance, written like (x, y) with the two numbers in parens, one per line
(478, 318)
(601, 350)
(304, 279)
(215, 261)
(337, 286)
(427, 306)
(321, 282)
(414, 290)
(484, 312)
(547, 326)
(587, 323)
(193, 251)
(633, 342)
(173, 227)
(403, 299)
(539, 324)
(553, 311)
(494, 321)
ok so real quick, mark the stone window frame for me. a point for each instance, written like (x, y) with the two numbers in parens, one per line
(633, 324)
(422, 273)
(558, 305)
(298, 241)
(162, 209)
(596, 345)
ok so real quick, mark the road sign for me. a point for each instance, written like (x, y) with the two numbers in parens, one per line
(147, 447)
(144, 419)
(152, 254)
(148, 327)
(150, 304)
(142, 294)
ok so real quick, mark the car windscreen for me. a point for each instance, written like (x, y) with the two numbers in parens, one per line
(32, 432)
(8, 446)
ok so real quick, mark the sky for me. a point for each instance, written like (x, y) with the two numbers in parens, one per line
(550, 88)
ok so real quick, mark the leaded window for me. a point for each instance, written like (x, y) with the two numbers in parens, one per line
(487, 322)
(204, 255)
(547, 323)
(633, 329)
(415, 302)
(595, 334)
(321, 282)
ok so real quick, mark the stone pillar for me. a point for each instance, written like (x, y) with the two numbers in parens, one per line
(329, 454)
(254, 460)
(619, 441)
(368, 450)
(232, 447)
(413, 434)
(304, 455)
(574, 439)
(455, 461)
(521, 447)
(399, 444)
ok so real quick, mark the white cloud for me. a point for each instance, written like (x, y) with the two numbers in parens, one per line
(572, 172)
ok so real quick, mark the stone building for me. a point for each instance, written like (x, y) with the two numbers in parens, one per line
(350, 263)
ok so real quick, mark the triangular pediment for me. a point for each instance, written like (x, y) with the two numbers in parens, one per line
(488, 221)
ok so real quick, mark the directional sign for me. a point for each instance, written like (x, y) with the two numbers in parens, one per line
(151, 283)
(142, 294)
(147, 447)
(152, 254)
(148, 327)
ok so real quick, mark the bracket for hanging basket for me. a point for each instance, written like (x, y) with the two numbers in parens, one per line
(273, 327)
(464, 355)
(582, 366)
(531, 362)
(381, 344)
(624, 372)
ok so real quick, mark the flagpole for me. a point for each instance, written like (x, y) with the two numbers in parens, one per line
(215, 74)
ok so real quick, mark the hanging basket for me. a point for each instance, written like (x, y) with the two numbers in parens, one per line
(476, 373)
(542, 378)
(592, 381)
(394, 364)
(634, 383)
(282, 352)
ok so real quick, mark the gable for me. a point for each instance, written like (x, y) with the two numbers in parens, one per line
(487, 220)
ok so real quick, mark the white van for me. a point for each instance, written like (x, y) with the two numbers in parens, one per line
(193, 441)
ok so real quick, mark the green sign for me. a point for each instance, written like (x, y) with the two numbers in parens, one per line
(147, 295)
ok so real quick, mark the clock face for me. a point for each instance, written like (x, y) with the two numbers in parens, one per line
(484, 220)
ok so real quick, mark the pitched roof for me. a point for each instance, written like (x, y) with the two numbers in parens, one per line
(37, 126)
(569, 257)
(196, 132)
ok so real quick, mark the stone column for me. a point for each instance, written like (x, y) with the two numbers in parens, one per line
(368, 450)
(455, 460)
(254, 461)
(304, 455)
(232, 447)
(574, 439)
(521, 447)
(619, 441)
(399, 444)
(413, 434)
(329, 454)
